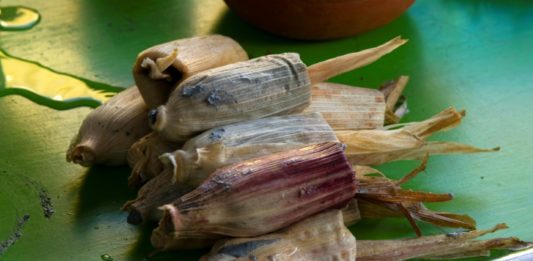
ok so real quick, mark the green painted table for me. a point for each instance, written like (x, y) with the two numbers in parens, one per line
(475, 55)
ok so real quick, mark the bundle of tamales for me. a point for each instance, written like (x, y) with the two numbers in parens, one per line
(266, 161)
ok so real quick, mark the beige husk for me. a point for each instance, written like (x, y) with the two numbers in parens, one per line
(159, 69)
(321, 237)
(396, 107)
(107, 132)
(444, 246)
(266, 86)
(234, 143)
(374, 147)
(348, 108)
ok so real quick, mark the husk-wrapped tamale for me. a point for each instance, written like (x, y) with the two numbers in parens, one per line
(107, 132)
(320, 237)
(159, 69)
(325, 237)
(266, 86)
(220, 147)
(143, 158)
(261, 195)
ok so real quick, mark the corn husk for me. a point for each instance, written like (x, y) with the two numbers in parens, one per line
(261, 195)
(396, 103)
(224, 146)
(143, 158)
(108, 132)
(233, 143)
(374, 147)
(266, 86)
(348, 108)
(445, 246)
(321, 237)
(379, 197)
(159, 69)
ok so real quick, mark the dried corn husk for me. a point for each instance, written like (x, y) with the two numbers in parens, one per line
(159, 69)
(233, 143)
(374, 147)
(321, 237)
(445, 246)
(261, 195)
(155, 193)
(379, 197)
(223, 146)
(108, 132)
(396, 102)
(348, 108)
(265, 86)
(143, 158)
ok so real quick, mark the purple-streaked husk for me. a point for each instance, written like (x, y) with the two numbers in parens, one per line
(108, 132)
(143, 158)
(445, 246)
(159, 69)
(222, 146)
(264, 194)
(277, 84)
(347, 107)
(320, 237)
(374, 147)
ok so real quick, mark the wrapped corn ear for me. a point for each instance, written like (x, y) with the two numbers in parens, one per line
(396, 102)
(108, 132)
(445, 246)
(348, 108)
(261, 195)
(320, 237)
(379, 197)
(374, 147)
(222, 146)
(143, 158)
(159, 69)
(266, 86)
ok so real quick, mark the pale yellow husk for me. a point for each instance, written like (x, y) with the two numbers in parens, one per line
(108, 132)
(321, 237)
(160, 68)
(374, 147)
(348, 108)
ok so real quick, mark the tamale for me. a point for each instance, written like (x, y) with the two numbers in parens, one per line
(108, 132)
(261, 195)
(159, 69)
(320, 237)
(266, 86)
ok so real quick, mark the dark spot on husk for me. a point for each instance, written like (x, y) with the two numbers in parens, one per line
(244, 249)
(216, 134)
(189, 91)
(152, 116)
(15, 236)
(220, 97)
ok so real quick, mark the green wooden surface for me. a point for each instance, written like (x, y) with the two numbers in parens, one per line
(475, 55)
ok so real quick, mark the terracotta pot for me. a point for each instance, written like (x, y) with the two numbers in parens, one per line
(318, 19)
